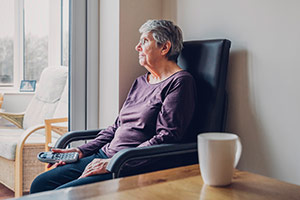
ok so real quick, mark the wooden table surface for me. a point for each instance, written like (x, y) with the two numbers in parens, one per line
(179, 183)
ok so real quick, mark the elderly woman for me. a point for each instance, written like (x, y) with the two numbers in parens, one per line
(158, 109)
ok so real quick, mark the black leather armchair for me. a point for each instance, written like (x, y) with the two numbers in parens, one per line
(207, 61)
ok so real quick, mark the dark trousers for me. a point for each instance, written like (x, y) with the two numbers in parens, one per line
(67, 176)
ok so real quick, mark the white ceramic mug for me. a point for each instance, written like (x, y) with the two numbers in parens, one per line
(219, 154)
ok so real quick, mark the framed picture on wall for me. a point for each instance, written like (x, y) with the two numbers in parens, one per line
(27, 85)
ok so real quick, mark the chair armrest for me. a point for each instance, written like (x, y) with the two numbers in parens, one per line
(72, 136)
(15, 118)
(19, 153)
(57, 125)
(55, 121)
(122, 157)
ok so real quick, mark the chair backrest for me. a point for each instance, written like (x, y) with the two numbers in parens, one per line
(207, 61)
(48, 94)
(61, 110)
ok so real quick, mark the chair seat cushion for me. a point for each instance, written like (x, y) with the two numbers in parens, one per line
(10, 138)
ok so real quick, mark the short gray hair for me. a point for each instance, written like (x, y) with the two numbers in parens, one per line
(163, 31)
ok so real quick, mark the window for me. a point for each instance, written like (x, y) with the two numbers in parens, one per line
(7, 43)
(36, 31)
(65, 32)
(33, 35)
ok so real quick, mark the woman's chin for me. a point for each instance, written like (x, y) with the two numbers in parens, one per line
(142, 63)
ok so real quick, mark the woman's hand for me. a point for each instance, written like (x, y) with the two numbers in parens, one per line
(97, 166)
(64, 151)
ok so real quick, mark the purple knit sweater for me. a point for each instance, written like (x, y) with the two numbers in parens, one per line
(152, 114)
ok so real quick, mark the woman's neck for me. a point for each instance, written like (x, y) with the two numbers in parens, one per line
(162, 71)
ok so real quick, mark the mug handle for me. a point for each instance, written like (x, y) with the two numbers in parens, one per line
(238, 152)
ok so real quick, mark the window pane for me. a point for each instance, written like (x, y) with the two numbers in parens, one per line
(36, 26)
(7, 22)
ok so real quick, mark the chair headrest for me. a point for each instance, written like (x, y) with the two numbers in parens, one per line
(52, 83)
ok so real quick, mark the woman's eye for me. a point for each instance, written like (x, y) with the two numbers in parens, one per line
(143, 41)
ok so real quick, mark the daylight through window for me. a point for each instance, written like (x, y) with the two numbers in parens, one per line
(34, 34)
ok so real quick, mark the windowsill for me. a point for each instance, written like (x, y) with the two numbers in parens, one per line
(14, 91)
(23, 93)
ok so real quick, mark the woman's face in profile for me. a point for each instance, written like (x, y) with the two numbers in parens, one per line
(149, 52)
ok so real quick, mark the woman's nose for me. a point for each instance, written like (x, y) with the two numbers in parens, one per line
(138, 47)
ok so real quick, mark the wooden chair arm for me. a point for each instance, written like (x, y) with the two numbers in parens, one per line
(15, 118)
(19, 158)
(56, 120)
(52, 125)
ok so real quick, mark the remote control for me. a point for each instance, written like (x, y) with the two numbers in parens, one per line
(50, 157)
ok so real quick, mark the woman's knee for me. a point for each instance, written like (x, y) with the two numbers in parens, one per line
(40, 184)
(59, 176)
(49, 180)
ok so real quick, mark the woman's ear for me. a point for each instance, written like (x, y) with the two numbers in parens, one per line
(166, 48)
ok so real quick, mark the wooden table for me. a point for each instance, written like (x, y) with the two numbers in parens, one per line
(179, 183)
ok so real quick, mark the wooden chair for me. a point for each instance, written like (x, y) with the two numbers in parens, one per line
(19, 147)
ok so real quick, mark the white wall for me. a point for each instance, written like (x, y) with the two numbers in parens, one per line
(16, 102)
(109, 62)
(263, 77)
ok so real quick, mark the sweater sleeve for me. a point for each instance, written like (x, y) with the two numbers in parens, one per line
(176, 113)
(103, 137)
